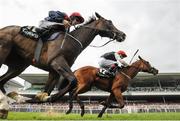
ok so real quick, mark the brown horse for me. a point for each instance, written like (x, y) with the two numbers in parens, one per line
(17, 51)
(87, 77)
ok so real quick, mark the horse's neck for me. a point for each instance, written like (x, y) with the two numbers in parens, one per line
(85, 35)
(132, 70)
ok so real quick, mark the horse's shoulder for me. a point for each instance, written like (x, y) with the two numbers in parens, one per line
(85, 69)
(90, 67)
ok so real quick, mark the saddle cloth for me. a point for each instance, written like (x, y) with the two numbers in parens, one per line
(31, 32)
(101, 74)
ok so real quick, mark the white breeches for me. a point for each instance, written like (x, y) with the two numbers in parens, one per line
(46, 24)
(105, 63)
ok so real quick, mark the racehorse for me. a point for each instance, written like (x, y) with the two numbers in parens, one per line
(17, 51)
(87, 77)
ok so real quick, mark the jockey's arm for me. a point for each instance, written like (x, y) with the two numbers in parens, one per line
(66, 23)
(120, 61)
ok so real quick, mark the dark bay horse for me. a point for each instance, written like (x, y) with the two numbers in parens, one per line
(17, 51)
(87, 77)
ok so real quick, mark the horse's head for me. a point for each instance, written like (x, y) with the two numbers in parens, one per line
(105, 28)
(145, 66)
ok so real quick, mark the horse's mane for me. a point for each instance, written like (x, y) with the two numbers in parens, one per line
(125, 68)
(91, 19)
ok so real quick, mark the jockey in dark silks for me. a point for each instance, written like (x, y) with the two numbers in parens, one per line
(110, 60)
(57, 18)
(56, 21)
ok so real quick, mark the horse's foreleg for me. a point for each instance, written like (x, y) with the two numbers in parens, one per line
(119, 98)
(60, 65)
(81, 88)
(51, 82)
(5, 48)
(81, 104)
(70, 102)
(106, 105)
(11, 73)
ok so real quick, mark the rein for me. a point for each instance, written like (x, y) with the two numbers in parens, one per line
(75, 39)
(91, 45)
(128, 75)
(102, 44)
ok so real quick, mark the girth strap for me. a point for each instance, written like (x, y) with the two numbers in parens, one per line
(38, 50)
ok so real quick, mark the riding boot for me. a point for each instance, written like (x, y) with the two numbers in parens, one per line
(43, 33)
(40, 31)
(111, 70)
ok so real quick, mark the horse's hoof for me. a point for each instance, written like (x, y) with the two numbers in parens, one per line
(42, 97)
(100, 115)
(122, 107)
(69, 111)
(50, 99)
(82, 114)
(103, 103)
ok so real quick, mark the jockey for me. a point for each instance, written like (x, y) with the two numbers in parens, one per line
(60, 20)
(109, 60)
(56, 21)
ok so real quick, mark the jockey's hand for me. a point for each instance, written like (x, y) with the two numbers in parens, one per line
(66, 23)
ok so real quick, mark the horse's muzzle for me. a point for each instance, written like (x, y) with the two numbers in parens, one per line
(154, 71)
(120, 37)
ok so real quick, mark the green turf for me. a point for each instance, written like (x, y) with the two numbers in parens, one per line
(59, 116)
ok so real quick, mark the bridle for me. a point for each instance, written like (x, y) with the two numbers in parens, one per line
(79, 42)
(144, 63)
(137, 68)
(110, 40)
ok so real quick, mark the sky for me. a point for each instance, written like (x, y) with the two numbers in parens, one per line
(152, 26)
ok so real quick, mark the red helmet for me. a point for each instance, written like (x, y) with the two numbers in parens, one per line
(78, 15)
(122, 53)
(66, 16)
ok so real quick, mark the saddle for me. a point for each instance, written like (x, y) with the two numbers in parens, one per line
(39, 35)
(103, 73)
(29, 32)
(108, 73)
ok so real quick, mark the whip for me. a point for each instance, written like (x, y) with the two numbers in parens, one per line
(134, 56)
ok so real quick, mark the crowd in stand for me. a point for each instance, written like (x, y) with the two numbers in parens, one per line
(96, 107)
(154, 89)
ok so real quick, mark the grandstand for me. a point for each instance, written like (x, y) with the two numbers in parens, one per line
(144, 87)
(15, 84)
(146, 93)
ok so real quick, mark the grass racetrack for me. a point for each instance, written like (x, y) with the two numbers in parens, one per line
(59, 116)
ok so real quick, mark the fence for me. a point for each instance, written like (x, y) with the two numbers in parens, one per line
(95, 108)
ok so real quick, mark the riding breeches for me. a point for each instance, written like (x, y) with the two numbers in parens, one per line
(105, 63)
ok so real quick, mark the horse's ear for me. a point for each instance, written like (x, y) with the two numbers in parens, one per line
(140, 57)
(97, 15)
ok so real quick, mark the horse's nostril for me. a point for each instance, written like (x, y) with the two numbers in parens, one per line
(124, 36)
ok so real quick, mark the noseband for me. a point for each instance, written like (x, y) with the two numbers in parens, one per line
(114, 32)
